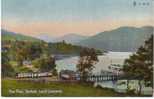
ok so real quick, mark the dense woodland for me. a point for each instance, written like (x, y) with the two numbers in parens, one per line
(40, 54)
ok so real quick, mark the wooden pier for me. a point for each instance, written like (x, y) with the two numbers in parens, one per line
(99, 78)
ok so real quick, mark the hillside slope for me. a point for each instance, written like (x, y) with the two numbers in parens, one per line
(11, 36)
(120, 39)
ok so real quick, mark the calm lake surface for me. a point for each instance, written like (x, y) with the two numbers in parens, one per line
(104, 61)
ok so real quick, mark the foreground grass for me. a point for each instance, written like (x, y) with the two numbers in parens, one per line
(68, 89)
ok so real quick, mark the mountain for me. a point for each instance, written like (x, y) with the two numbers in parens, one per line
(45, 37)
(120, 39)
(12, 36)
(70, 38)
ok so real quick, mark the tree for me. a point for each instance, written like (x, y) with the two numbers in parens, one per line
(139, 65)
(20, 56)
(45, 64)
(88, 57)
(20, 51)
(35, 50)
(7, 69)
(27, 51)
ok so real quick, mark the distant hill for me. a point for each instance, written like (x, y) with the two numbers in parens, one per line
(120, 39)
(45, 37)
(12, 36)
(70, 38)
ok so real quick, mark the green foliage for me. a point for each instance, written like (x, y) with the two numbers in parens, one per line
(45, 64)
(66, 48)
(54, 72)
(39, 53)
(24, 69)
(88, 58)
(140, 64)
(63, 48)
(22, 50)
(7, 70)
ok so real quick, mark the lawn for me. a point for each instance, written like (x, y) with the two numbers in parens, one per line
(67, 89)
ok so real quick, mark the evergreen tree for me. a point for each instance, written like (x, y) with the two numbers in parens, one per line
(140, 64)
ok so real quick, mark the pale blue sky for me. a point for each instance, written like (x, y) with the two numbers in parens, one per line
(56, 10)
(30, 11)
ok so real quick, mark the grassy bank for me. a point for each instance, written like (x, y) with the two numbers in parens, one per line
(67, 89)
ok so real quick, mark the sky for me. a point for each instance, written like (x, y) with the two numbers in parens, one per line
(84, 17)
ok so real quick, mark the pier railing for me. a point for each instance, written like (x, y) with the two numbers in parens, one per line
(100, 78)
